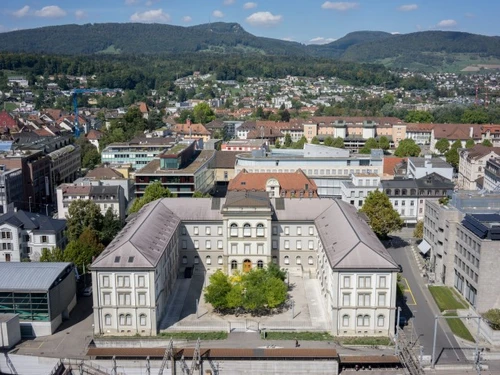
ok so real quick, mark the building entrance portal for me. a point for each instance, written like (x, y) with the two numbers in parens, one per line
(247, 265)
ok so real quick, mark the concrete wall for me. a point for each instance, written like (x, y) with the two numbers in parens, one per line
(10, 332)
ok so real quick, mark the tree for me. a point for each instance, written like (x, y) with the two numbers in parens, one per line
(199, 194)
(300, 143)
(383, 219)
(487, 143)
(469, 143)
(277, 144)
(370, 144)
(52, 255)
(419, 117)
(111, 225)
(284, 115)
(90, 155)
(288, 140)
(474, 116)
(338, 142)
(384, 143)
(83, 214)
(84, 250)
(315, 141)
(153, 192)
(328, 141)
(407, 147)
(418, 232)
(442, 145)
(217, 291)
(203, 113)
(452, 155)
(492, 316)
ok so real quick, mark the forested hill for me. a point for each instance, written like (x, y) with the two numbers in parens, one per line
(428, 49)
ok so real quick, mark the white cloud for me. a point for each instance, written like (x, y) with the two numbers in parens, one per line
(289, 39)
(150, 16)
(321, 40)
(408, 7)
(217, 14)
(150, 2)
(131, 2)
(3, 29)
(51, 11)
(186, 19)
(342, 6)
(249, 5)
(80, 14)
(265, 19)
(228, 2)
(395, 33)
(22, 12)
(447, 23)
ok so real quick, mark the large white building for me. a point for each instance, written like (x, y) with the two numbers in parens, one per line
(321, 238)
(472, 165)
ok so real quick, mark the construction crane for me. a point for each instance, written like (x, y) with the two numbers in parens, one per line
(74, 94)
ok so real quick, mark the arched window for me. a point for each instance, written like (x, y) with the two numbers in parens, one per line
(287, 259)
(260, 264)
(184, 259)
(247, 231)
(107, 319)
(413, 192)
(122, 319)
(298, 260)
(219, 259)
(345, 320)
(208, 260)
(366, 320)
(142, 320)
(310, 260)
(403, 192)
(380, 321)
(388, 191)
(260, 230)
(234, 265)
(396, 192)
(234, 230)
(128, 320)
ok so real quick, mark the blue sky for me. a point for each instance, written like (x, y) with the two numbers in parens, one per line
(304, 21)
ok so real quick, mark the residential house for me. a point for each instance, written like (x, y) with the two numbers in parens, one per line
(419, 167)
(357, 189)
(189, 131)
(473, 163)
(25, 234)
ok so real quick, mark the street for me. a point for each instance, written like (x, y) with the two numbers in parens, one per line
(420, 309)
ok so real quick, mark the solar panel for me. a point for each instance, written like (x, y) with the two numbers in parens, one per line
(280, 203)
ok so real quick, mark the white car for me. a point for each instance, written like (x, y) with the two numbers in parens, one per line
(87, 292)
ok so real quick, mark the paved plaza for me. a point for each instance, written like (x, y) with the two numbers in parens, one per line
(187, 310)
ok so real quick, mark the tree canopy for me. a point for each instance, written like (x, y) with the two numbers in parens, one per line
(152, 192)
(442, 145)
(83, 250)
(452, 155)
(383, 219)
(422, 117)
(407, 147)
(418, 232)
(83, 214)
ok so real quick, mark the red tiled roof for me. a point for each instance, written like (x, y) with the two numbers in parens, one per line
(94, 135)
(390, 163)
(194, 129)
(454, 132)
(296, 181)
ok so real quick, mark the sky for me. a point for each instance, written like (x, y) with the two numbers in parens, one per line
(303, 21)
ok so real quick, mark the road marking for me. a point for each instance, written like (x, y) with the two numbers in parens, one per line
(411, 293)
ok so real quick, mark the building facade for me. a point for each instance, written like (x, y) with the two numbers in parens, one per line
(321, 238)
(11, 189)
(355, 191)
(492, 175)
(472, 165)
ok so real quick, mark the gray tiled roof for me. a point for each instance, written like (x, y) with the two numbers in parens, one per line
(30, 220)
(247, 199)
(29, 276)
(143, 240)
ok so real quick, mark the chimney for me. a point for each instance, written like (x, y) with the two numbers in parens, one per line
(471, 132)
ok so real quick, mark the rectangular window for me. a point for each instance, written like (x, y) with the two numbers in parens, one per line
(287, 244)
(196, 244)
(364, 282)
(142, 299)
(299, 245)
(247, 249)
(381, 299)
(260, 248)
(346, 299)
(124, 299)
(311, 245)
(106, 299)
(208, 244)
(105, 281)
(382, 282)
(219, 231)
(219, 244)
(299, 231)
(287, 230)
(347, 281)
(141, 281)
(183, 230)
(234, 248)
(6, 235)
(126, 280)
(120, 281)
(311, 231)
(208, 230)
(363, 299)
(45, 239)
(184, 244)
(275, 229)
(275, 245)
(195, 230)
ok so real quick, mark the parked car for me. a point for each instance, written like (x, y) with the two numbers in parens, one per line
(87, 292)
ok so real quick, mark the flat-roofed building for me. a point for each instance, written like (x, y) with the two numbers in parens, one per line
(321, 238)
(42, 294)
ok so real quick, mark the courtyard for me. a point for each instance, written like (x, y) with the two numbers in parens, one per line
(187, 310)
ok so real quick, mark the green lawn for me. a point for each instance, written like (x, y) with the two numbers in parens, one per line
(305, 336)
(365, 341)
(9, 106)
(446, 298)
(458, 327)
(210, 335)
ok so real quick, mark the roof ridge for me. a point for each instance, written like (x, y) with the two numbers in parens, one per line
(356, 233)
